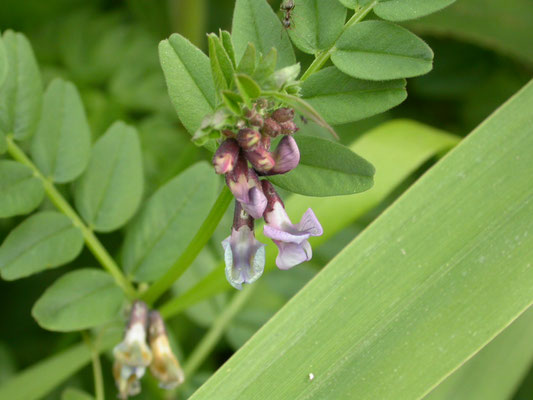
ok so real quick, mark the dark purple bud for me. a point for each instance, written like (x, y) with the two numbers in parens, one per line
(254, 118)
(283, 114)
(260, 158)
(271, 128)
(286, 156)
(272, 197)
(226, 156)
(248, 138)
(265, 142)
(288, 127)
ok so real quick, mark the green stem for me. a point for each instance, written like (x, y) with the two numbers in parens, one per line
(211, 338)
(189, 18)
(193, 249)
(97, 367)
(62, 205)
(322, 57)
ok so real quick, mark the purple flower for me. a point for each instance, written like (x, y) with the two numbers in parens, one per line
(245, 186)
(286, 156)
(244, 255)
(291, 239)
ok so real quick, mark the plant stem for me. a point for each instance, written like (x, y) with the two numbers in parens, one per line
(193, 249)
(322, 57)
(189, 18)
(211, 338)
(62, 205)
(97, 367)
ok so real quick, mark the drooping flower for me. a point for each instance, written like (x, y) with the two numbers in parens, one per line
(132, 355)
(245, 186)
(291, 239)
(243, 254)
(127, 379)
(165, 366)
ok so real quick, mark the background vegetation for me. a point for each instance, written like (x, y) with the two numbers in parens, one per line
(483, 55)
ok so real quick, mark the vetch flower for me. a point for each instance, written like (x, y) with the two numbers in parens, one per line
(260, 158)
(226, 156)
(286, 156)
(245, 186)
(127, 379)
(291, 239)
(132, 355)
(243, 254)
(248, 138)
(165, 366)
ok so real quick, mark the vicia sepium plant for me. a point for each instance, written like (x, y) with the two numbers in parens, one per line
(269, 127)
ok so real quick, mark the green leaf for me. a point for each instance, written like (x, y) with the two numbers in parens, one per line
(254, 21)
(3, 62)
(428, 284)
(266, 65)
(189, 80)
(62, 144)
(109, 192)
(397, 149)
(340, 98)
(3, 143)
(167, 222)
(248, 60)
(352, 4)
(401, 10)
(221, 65)
(474, 21)
(227, 42)
(497, 370)
(379, 50)
(21, 191)
(44, 240)
(21, 93)
(75, 394)
(316, 24)
(233, 101)
(326, 169)
(79, 300)
(248, 88)
(37, 381)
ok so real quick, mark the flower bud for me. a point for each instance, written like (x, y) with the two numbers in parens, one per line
(288, 127)
(226, 156)
(133, 351)
(254, 118)
(283, 114)
(260, 158)
(286, 156)
(271, 128)
(248, 138)
(165, 366)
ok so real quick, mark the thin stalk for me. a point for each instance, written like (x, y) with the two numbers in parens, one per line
(189, 18)
(97, 367)
(193, 249)
(211, 338)
(92, 242)
(322, 57)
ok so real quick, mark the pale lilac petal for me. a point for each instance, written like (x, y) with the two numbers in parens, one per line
(292, 254)
(309, 224)
(256, 204)
(285, 235)
(244, 257)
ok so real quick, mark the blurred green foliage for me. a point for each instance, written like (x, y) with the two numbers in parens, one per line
(108, 48)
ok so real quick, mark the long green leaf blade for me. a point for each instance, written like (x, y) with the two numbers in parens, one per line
(432, 281)
(401, 10)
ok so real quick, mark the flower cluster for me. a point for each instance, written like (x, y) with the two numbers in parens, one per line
(133, 355)
(243, 157)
